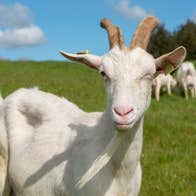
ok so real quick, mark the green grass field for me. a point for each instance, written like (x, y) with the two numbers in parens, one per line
(169, 152)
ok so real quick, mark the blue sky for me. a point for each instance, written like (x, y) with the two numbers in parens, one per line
(37, 29)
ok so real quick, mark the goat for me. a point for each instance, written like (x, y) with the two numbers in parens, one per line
(163, 80)
(55, 148)
(4, 189)
(186, 77)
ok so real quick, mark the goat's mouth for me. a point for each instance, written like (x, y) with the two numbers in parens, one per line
(123, 126)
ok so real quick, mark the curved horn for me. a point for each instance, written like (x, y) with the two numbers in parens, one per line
(114, 33)
(121, 39)
(143, 32)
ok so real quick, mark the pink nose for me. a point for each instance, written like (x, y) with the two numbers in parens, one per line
(123, 111)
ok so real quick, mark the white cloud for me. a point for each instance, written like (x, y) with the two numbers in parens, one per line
(17, 28)
(12, 38)
(16, 15)
(124, 8)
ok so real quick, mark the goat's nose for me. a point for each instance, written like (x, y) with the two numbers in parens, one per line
(123, 111)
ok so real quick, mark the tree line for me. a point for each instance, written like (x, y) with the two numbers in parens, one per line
(163, 41)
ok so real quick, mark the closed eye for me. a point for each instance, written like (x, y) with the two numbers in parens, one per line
(103, 74)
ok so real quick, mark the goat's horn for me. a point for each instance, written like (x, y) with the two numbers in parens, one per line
(121, 39)
(143, 32)
(114, 33)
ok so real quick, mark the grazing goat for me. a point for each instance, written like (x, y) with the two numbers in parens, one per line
(55, 148)
(186, 77)
(163, 80)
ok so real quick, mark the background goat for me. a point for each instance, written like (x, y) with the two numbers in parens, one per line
(52, 143)
(186, 77)
(161, 81)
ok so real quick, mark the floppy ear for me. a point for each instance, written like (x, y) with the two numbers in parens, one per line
(92, 61)
(169, 62)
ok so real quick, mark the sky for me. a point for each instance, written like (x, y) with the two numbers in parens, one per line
(38, 29)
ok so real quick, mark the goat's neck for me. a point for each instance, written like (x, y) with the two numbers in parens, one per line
(122, 149)
(126, 158)
(131, 144)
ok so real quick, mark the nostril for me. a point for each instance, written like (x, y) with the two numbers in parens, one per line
(121, 111)
(129, 111)
(117, 112)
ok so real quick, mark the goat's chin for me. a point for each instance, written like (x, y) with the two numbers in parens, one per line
(124, 127)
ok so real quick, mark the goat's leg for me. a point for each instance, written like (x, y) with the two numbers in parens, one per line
(192, 92)
(168, 88)
(157, 91)
(185, 91)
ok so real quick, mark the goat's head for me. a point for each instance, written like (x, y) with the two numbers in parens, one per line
(128, 72)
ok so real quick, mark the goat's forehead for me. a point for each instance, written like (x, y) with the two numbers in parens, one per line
(135, 60)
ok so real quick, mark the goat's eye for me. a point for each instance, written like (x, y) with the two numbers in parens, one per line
(103, 74)
(148, 76)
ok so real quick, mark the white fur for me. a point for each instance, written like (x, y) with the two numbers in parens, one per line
(3, 153)
(186, 77)
(53, 144)
(161, 81)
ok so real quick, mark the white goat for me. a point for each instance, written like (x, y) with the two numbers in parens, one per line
(163, 80)
(3, 154)
(53, 143)
(186, 77)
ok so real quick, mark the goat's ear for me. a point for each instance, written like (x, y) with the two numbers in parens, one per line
(169, 62)
(92, 61)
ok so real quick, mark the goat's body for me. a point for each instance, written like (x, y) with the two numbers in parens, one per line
(186, 77)
(53, 142)
(4, 190)
(163, 80)
(53, 145)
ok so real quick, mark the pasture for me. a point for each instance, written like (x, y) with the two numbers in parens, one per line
(169, 151)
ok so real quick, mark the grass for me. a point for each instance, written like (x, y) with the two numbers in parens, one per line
(168, 159)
